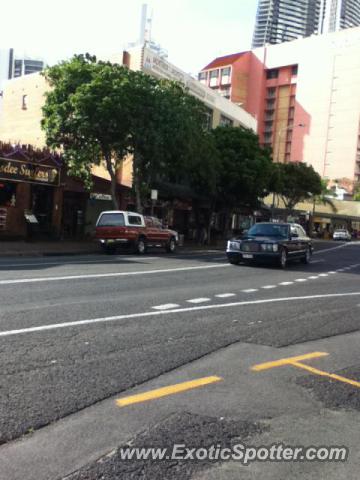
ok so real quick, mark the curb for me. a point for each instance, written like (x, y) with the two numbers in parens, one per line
(51, 253)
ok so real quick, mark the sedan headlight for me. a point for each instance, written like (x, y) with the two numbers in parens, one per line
(269, 247)
(233, 245)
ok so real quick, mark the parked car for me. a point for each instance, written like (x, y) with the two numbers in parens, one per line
(274, 242)
(122, 228)
(342, 234)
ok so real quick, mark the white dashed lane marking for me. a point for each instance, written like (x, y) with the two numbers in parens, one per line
(199, 300)
(225, 295)
(169, 306)
(166, 306)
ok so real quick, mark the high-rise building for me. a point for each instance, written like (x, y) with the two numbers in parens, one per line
(339, 14)
(12, 65)
(305, 97)
(279, 21)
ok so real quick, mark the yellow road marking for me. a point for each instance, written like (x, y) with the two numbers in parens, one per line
(165, 391)
(287, 361)
(315, 371)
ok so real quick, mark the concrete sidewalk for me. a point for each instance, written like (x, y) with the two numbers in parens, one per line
(88, 247)
(85, 247)
(41, 248)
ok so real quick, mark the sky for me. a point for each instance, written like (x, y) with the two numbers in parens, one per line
(192, 31)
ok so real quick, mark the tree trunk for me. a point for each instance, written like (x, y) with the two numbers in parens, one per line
(228, 224)
(137, 183)
(112, 173)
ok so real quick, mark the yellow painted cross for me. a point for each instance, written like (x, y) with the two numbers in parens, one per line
(297, 362)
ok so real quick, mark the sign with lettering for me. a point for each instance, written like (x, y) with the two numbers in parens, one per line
(22, 171)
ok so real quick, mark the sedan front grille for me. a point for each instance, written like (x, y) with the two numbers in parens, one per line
(250, 247)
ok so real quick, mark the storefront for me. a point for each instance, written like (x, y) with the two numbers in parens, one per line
(38, 200)
(29, 195)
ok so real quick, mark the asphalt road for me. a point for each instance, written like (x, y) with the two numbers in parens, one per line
(75, 331)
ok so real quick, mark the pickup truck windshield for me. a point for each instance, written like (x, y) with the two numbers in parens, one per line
(111, 220)
(269, 230)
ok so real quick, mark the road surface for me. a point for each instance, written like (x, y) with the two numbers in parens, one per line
(80, 335)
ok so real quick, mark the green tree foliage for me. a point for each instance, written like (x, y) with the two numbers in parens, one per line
(324, 197)
(86, 115)
(100, 112)
(357, 192)
(244, 167)
(295, 182)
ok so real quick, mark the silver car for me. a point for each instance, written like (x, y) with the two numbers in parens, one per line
(342, 234)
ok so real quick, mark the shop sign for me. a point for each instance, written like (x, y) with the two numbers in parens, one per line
(20, 171)
(100, 196)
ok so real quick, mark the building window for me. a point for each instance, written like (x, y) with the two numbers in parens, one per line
(203, 76)
(18, 68)
(225, 121)
(271, 93)
(291, 113)
(273, 73)
(267, 137)
(7, 194)
(294, 70)
(225, 76)
(268, 126)
(24, 102)
(214, 77)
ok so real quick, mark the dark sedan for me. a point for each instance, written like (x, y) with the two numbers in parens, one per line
(276, 242)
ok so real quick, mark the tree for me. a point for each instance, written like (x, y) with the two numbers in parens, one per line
(244, 168)
(98, 111)
(87, 115)
(295, 182)
(357, 192)
(166, 131)
(324, 197)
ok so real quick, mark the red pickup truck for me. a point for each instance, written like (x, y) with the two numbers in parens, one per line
(116, 228)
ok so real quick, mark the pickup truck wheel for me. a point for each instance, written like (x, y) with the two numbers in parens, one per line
(141, 246)
(171, 246)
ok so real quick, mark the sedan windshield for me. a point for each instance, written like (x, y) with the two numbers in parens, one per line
(269, 230)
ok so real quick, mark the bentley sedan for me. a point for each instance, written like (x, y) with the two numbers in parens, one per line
(275, 242)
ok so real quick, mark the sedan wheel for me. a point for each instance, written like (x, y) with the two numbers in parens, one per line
(307, 257)
(283, 258)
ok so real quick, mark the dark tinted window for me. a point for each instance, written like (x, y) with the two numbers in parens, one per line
(269, 230)
(134, 220)
(274, 73)
(111, 220)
